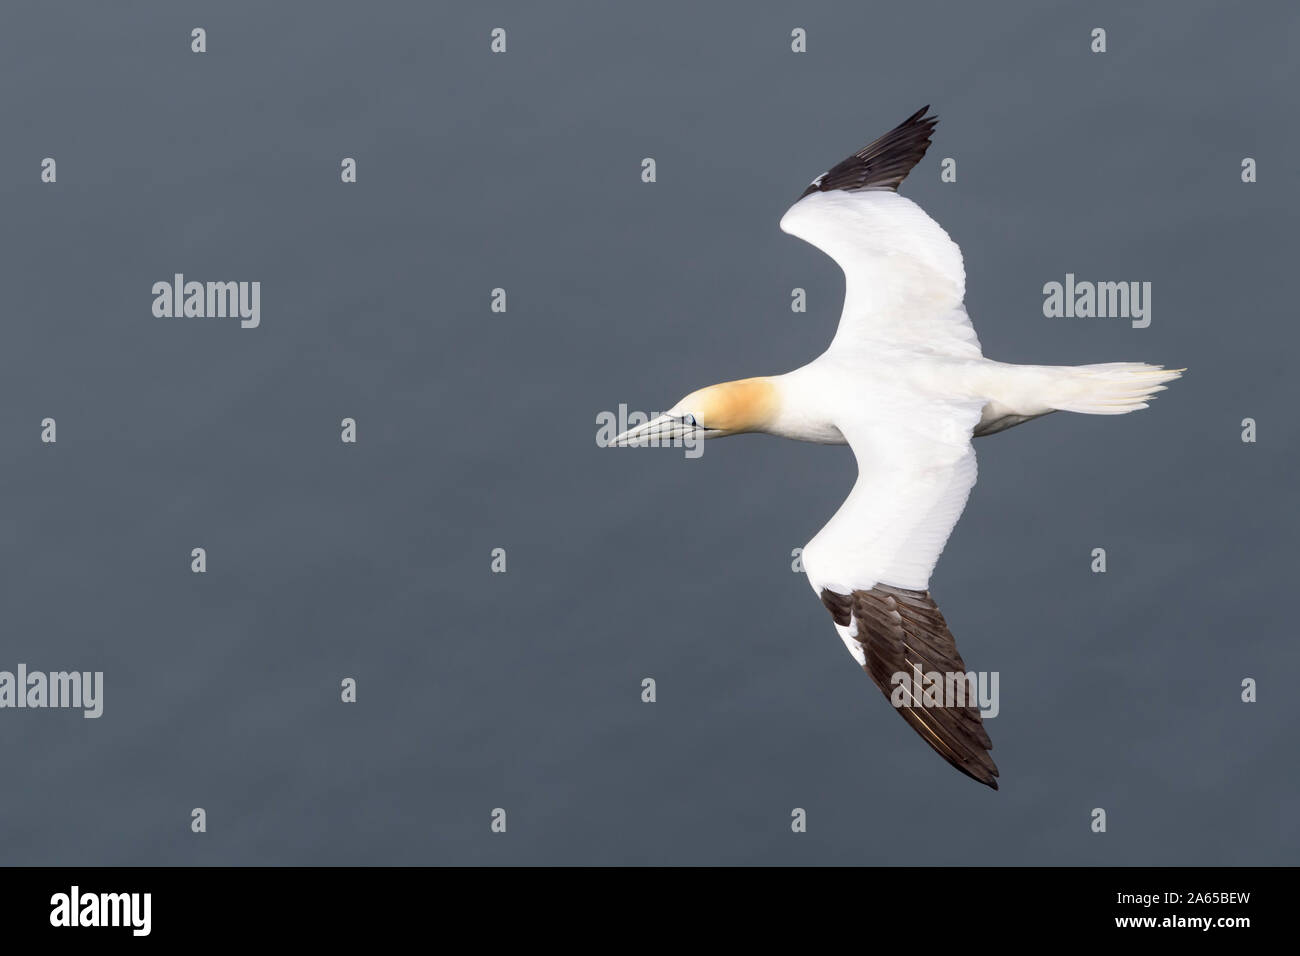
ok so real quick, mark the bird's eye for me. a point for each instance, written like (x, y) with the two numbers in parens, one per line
(690, 420)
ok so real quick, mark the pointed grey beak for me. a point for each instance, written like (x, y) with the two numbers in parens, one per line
(664, 430)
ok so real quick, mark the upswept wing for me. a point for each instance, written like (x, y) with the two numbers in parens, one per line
(904, 277)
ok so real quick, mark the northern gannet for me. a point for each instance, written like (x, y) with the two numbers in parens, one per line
(905, 385)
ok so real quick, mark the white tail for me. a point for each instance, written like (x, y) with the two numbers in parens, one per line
(1018, 393)
(1114, 388)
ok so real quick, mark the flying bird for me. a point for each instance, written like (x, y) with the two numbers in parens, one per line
(906, 386)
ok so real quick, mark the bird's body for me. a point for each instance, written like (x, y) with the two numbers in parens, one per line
(840, 388)
(905, 384)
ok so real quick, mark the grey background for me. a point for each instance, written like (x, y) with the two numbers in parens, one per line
(522, 690)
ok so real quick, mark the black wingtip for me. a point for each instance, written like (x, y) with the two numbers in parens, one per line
(883, 163)
(985, 775)
(901, 630)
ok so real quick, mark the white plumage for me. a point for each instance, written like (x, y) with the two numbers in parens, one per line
(904, 383)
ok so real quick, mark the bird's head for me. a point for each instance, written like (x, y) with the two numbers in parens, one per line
(748, 405)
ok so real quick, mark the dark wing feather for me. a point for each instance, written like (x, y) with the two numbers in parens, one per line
(902, 631)
(883, 164)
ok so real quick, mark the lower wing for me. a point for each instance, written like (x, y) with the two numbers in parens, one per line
(871, 567)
